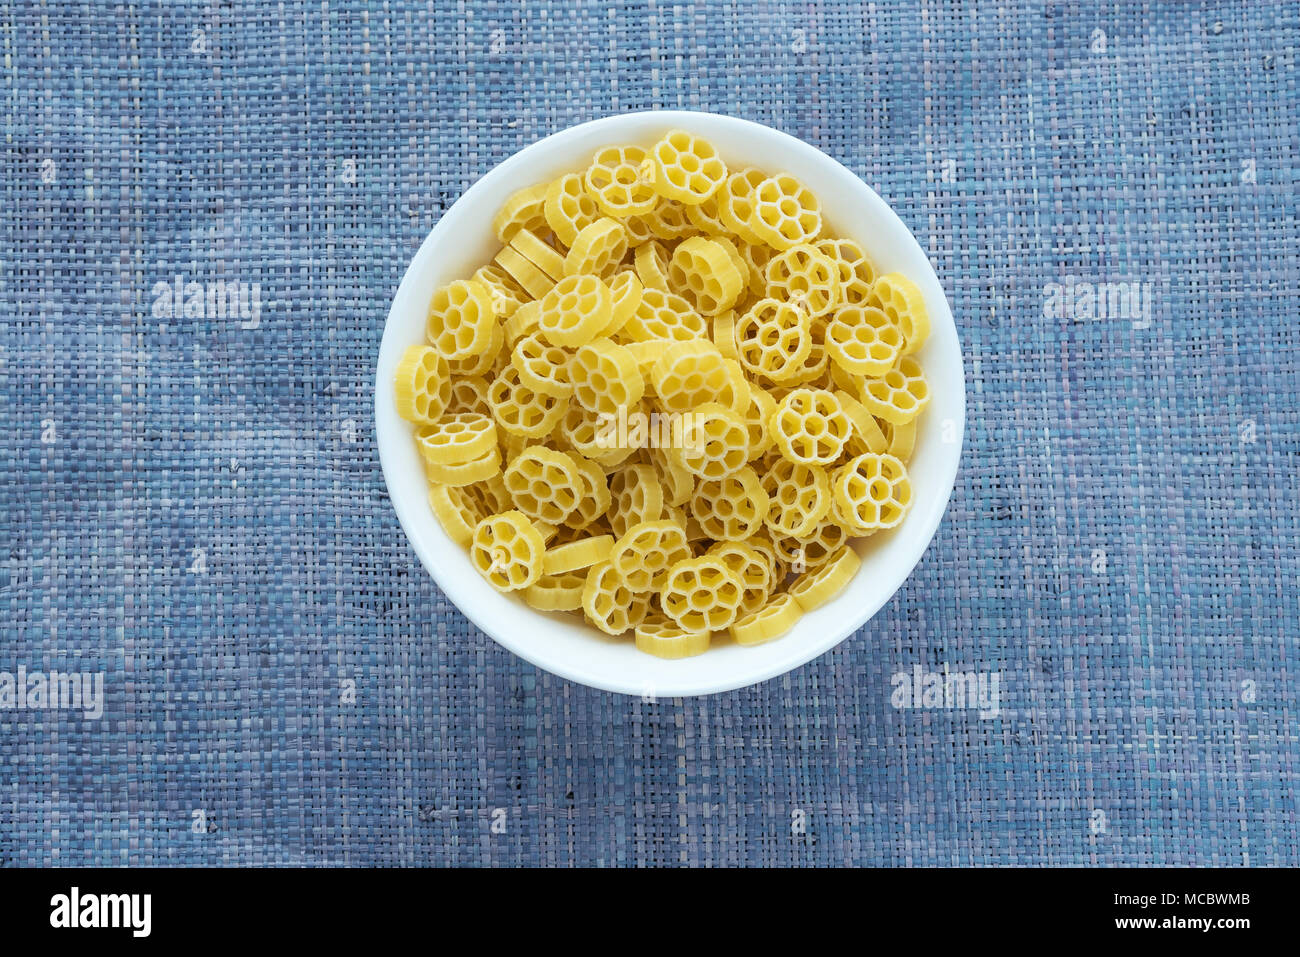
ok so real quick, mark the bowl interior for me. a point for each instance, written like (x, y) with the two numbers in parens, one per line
(463, 240)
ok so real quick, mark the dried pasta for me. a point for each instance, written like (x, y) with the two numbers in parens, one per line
(672, 387)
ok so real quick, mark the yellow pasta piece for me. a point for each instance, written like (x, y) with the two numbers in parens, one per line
(815, 549)
(421, 384)
(635, 496)
(751, 569)
(900, 299)
(626, 289)
(521, 410)
(758, 414)
(664, 315)
(609, 603)
(899, 395)
(857, 272)
(678, 484)
(464, 473)
(731, 508)
(863, 341)
(724, 334)
(815, 588)
(686, 168)
(644, 553)
(597, 250)
(616, 182)
(805, 278)
(605, 377)
(774, 619)
(756, 257)
(591, 434)
(871, 492)
(714, 443)
(507, 550)
(736, 202)
(460, 319)
(799, 497)
(810, 427)
(785, 212)
(455, 512)
(773, 339)
(702, 594)
(530, 277)
(522, 322)
(651, 262)
(568, 208)
(457, 437)
(557, 592)
(506, 294)
(688, 374)
(544, 484)
(706, 216)
(481, 362)
(523, 210)
(816, 362)
(703, 274)
(576, 311)
(541, 366)
(666, 221)
(664, 640)
(867, 435)
(595, 499)
(901, 439)
(582, 553)
(469, 394)
(540, 253)
(764, 545)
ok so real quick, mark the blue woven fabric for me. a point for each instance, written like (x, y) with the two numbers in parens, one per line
(192, 504)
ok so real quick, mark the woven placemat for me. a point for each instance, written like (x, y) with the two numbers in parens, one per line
(193, 508)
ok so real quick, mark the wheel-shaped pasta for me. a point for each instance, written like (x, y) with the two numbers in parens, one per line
(609, 603)
(664, 315)
(460, 319)
(557, 592)
(810, 427)
(605, 377)
(899, 395)
(542, 366)
(804, 277)
(524, 209)
(576, 311)
(457, 437)
(863, 341)
(714, 443)
(732, 508)
(635, 496)
(581, 553)
(597, 250)
(544, 484)
(702, 594)
(857, 272)
(422, 386)
(703, 273)
(687, 168)
(799, 496)
(815, 588)
(688, 374)
(663, 639)
(773, 339)
(616, 181)
(785, 212)
(736, 202)
(644, 553)
(521, 410)
(751, 569)
(900, 299)
(871, 492)
(507, 550)
(568, 208)
(774, 619)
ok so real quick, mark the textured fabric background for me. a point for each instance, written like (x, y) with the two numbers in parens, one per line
(193, 505)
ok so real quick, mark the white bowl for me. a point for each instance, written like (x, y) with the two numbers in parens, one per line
(463, 240)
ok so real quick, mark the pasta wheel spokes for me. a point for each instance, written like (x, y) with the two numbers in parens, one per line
(616, 182)
(810, 427)
(687, 168)
(507, 550)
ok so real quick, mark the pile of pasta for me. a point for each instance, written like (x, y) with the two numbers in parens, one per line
(657, 283)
